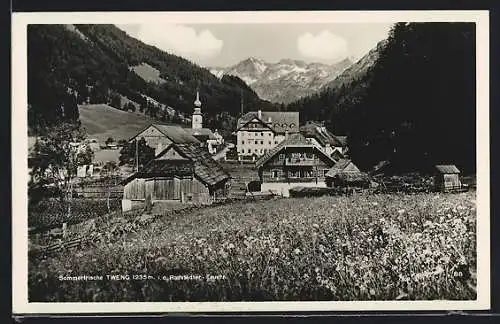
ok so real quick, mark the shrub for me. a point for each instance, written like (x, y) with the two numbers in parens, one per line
(53, 213)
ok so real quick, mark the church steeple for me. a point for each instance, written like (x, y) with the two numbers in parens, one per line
(197, 119)
(197, 102)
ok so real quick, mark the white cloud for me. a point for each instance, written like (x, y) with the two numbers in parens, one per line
(178, 39)
(323, 45)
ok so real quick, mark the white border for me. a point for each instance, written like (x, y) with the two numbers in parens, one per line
(19, 156)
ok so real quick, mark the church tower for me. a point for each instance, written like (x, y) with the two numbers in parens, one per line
(197, 119)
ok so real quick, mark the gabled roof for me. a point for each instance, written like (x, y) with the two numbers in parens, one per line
(175, 133)
(293, 140)
(199, 162)
(206, 169)
(322, 135)
(278, 121)
(201, 132)
(447, 168)
(163, 168)
(338, 167)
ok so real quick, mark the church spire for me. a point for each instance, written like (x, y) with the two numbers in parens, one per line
(197, 102)
(197, 119)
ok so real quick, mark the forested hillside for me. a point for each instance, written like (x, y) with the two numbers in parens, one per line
(415, 105)
(97, 61)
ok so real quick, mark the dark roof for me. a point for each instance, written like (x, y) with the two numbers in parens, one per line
(206, 168)
(164, 168)
(278, 121)
(201, 132)
(293, 140)
(338, 167)
(322, 135)
(176, 134)
(447, 168)
(336, 155)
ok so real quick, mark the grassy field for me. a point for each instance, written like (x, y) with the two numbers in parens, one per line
(378, 247)
(103, 121)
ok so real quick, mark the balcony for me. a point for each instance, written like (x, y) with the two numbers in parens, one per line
(300, 162)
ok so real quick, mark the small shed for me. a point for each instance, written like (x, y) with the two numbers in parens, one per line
(447, 177)
(341, 166)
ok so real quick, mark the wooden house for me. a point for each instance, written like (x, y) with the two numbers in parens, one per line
(184, 173)
(446, 177)
(293, 162)
(341, 166)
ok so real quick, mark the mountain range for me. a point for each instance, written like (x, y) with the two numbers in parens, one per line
(284, 81)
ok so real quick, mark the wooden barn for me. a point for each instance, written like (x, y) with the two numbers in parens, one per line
(447, 177)
(184, 173)
(341, 166)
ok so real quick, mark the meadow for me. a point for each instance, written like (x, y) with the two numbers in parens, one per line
(373, 247)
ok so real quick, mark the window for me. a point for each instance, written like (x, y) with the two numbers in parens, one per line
(275, 142)
(281, 157)
(261, 142)
(293, 174)
(249, 151)
(255, 150)
(256, 142)
(270, 142)
(284, 125)
(261, 134)
(242, 142)
(307, 174)
(292, 125)
(261, 151)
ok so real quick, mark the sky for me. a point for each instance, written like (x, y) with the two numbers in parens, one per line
(223, 44)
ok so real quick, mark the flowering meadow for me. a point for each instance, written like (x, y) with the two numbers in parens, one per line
(360, 247)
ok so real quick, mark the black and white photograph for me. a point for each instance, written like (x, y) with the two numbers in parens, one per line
(315, 161)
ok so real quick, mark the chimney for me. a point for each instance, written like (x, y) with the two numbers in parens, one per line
(259, 114)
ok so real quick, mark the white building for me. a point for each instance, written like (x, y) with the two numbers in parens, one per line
(260, 131)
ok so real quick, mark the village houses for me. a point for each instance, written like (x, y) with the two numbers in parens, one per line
(159, 136)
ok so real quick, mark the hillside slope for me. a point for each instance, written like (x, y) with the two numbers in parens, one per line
(96, 60)
(286, 80)
(102, 121)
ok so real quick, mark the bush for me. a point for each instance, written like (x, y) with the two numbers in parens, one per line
(52, 213)
(312, 191)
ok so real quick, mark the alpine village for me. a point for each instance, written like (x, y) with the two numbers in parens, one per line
(144, 163)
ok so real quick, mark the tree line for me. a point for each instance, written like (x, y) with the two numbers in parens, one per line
(415, 106)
